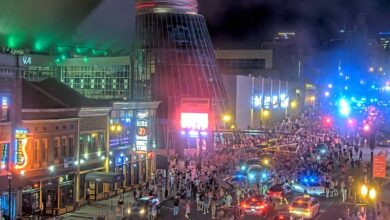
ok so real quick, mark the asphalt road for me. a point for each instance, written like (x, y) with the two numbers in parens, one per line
(331, 208)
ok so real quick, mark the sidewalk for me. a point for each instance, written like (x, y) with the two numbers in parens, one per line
(107, 207)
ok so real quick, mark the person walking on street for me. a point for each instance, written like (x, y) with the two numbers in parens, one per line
(206, 204)
(213, 209)
(154, 212)
(176, 202)
(228, 199)
(238, 195)
(188, 210)
(198, 200)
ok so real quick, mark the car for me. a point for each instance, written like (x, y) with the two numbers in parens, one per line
(235, 180)
(283, 215)
(308, 185)
(256, 205)
(278, 191)
(140, 207)
(258, 173)
(250, 162)
(304, 206)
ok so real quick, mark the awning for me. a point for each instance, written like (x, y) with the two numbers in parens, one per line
(103, 177)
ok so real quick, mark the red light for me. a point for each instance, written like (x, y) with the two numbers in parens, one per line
(244, 205)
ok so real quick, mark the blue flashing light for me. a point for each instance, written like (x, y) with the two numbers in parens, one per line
(330, 86)
(323, 151)
(251, 176)
(344, 108)
(243, 168)
(305, 180)
(264, 175)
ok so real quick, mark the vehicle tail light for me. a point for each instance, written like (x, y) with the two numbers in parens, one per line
(244, 205)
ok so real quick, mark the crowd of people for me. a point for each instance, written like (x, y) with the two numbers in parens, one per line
(199, 189)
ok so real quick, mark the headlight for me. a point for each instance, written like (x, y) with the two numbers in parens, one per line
(142, 211)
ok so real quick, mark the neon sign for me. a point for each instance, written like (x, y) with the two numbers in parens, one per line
(3, 155)
(20, 150)
(141, 137)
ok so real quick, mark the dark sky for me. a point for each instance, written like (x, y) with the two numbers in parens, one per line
(244, 23)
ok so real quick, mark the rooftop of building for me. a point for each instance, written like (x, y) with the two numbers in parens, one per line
(51, 94)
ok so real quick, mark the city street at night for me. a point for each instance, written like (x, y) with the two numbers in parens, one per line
(194, 109)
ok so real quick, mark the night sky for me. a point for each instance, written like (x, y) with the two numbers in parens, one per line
(245, 23)
(233, 24)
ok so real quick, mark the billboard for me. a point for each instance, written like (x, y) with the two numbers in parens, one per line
(194, 121)
(379, 168)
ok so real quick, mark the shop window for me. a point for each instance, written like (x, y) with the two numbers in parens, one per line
(71, 146)
(44, 150)
(63, 145)
(35, 150)
(56, 148)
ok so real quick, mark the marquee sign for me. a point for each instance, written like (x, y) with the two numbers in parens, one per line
(20, 148)
(141, 136)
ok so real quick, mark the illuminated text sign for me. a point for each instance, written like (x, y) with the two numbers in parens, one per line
(20, 149)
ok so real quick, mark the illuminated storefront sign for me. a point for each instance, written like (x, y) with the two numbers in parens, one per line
(275, 101)
(20, 148)
(281, 101)
(3, 155)
(267, 101)
(141, 137)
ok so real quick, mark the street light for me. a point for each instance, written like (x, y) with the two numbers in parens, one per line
(293, 104)
(9, 194)
(226, 118)
(372, 194)
(364, 190)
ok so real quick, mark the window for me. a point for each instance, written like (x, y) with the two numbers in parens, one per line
(63, 145)
(4, 109)
(56, 148)
(71, 146)
(35, 150)
(44, 150)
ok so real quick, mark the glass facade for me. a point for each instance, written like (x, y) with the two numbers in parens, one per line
(98, 82)
(39, 73)
(175, 60)
(242, 64)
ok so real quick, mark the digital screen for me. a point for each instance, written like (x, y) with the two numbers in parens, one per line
(195, 121)
(267, 101)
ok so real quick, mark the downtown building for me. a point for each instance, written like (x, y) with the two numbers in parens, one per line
(56, 142)
(175, 64)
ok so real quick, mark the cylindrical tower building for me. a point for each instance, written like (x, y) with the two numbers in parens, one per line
(174, 61)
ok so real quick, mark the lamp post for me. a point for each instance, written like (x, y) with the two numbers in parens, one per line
(9, 194)
(371, 193)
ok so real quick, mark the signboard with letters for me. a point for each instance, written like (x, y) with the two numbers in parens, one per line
(379, 165)
(20, 148)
